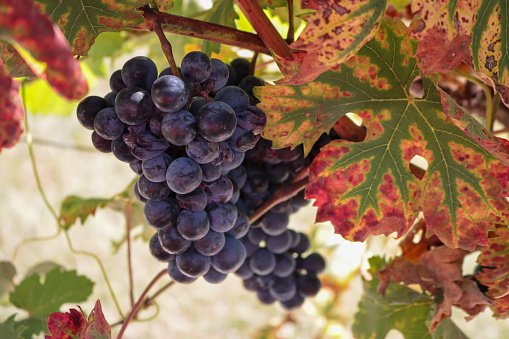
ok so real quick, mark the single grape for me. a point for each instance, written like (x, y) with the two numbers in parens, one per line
(265, 297)
(220, 190)
(179, 128)
(295, 238)
(172, 241)
(236, 193)
(178, 276)
(238, 175)
(302, 246)
(241, 67)
(193, 201)
(293, 303)
(222, 216)
(277, 173)
(116, 82)
(192, 263)
(101, 144)
(232, 76)
(193, 225)
(279, 243)
(169, 93)
(249, 82)
(225, 154)
(210, 244)
(251, 118)
(231, 257)
(256, 235)
(155, 169)
(110, 99)
(262, 262)
(250, 247)
(201, 150)
(244, 271)
(242, 140)
(196, 104)
(133, 105)
(251, 283)
(183, 175)
(232, 96)
(213, 276)
(108, 125)
(121, 151)
(88, 108)
(219, 74)
(196, 67)
(137, 194)
(308, 285)
(139, 71)
(158, 251)
(153, 190)
(314, 263)
(282, 288)
(216, 121)
(143, 144)
(160, 214)
(210, 172)
(136, 166)
(275, 223)
(241, 226)
(238, 158)
(285, 265)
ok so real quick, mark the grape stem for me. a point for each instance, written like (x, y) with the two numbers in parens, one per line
(128, 226)
(290, 36)
(282, 194)
(252, 64)
(136, 306)
(153, 18)
(206, 31)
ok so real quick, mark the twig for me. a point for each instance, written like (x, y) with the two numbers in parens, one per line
(148, 301)
(138, 303)
(302, 174)
(207, 31)
(290, 36)
(128, 225)
(262, 25)
(252, 65)
(152, 17)
(282, 194)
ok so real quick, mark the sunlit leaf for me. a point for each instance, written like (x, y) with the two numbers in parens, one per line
(13, 61)
(223, 13)
(10, 329)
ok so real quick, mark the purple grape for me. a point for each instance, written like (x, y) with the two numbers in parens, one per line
(277, 173)
(196, 67)
(279, 243)
(210, 172)
(250, 247)
(232, 96)
(285, 265)
(192, 263)
(133, 105)
(183, 175)
(282, 288)
(308, 285)
(238, 175)
(222, 216)
(169, 93)
(251, 284)
(249, 82)
(158, 251)
(216, 121)
(244, 271)
(194, 201)
(262, 262)
(101, 144)
(155, 169)
(314, 263)
(116, 82)
(137, 194)
(225, 154)
(256, 235)
(231, 257)
(241, 226)
(143, 144)
(196, 104)
(160, 214)
(88, 108)
(236, 193)
(178, 276)
(121, 151)
(153, 190)
(211, 244)
(275, 223)
(238, 158)
(110, 99)
(179, 128)
(219, 74)
(295, 238)
(201, 150)
(172, 241)
(220, 190)
(107, 124)
(242, 140)
(213, 276)
(193, 225)
(265, 297)
(295, 302)
(302, 246)
(139, 71)
(242, 67)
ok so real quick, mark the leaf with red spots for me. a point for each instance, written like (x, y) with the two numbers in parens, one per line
(367, 188)
(98, 327)
(472, 31)
(496, 276)
(21, 22)
(68, 325)
(83, 21)
(438, 271)
(14, 62)
(333, 34)
(11, 112)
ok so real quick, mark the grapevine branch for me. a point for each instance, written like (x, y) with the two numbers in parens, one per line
(290, 36)
(153, 18)
(206, 31)
(282, 194)
(139, 302)
(128, 225)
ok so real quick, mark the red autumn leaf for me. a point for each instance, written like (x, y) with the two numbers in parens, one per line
(11, 110)
(334, 33)
(14, 62)
(438, 271)
(97, 327)
(21, 21)
(68, 325)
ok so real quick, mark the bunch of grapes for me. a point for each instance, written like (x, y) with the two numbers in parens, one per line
(187, 138)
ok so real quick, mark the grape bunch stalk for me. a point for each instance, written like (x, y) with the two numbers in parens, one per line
(193, 139)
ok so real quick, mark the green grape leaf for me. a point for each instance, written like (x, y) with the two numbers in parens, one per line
(82, 22)
(367, 188)
(10, 329)
(401, 308)
(272, 3)
(7, 273)
(21, 22)
(334, 33)
(74, 207)
(448, 330)
(496, 276)
(222, 13)
(40, 298)
(11, 114)
(476, 30)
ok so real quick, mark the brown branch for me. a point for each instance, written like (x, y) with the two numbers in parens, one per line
(290, 36)
(302, 174)
(138, 303)
(252, 65)
(207, 31)
(282, 194)
(262, 25)
(152, 18)
(128, 210)
(148, 301)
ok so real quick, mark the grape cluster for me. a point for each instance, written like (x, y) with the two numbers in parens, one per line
(194, 141)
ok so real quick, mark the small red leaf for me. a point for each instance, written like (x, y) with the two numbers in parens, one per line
(98, 327)
(67, 325)
(11, 112)
(21, 21)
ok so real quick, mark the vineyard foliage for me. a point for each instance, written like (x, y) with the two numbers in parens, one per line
(364, 58)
